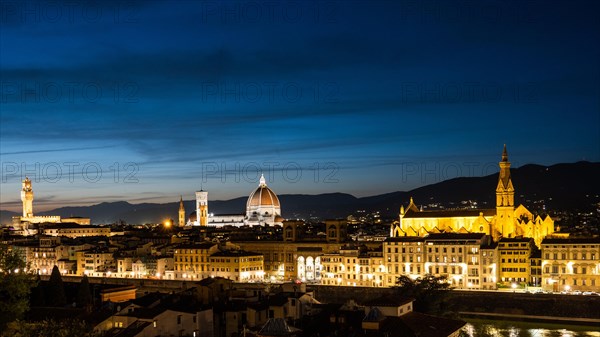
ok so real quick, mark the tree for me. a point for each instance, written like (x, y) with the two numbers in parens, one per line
(38, 298)
(84, 294)
(430, 292)
(15, 285)
(51, 328)
(56, 289)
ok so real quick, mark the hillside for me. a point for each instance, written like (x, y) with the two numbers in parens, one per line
(561, 187)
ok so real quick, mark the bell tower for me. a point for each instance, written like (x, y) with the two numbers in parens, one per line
(27, 198)
(181, 212)
(505, 199)
(202, 207)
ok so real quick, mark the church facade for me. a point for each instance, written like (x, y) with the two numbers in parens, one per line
(504, 221)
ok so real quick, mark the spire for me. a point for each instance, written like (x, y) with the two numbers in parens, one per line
(504, 154)
(263, 182)
(181, 202)
(411, 206)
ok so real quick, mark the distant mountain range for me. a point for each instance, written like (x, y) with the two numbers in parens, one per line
(560, 187)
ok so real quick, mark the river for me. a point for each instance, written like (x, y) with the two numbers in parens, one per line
(491, 328)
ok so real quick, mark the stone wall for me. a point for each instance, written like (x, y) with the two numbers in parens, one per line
(576, 306)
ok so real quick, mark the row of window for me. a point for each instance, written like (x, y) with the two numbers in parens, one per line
(583, 282)
(514, 253)
(505, 244)
(574, 247)
(514, 261)
(514, 270)
(575, 256)
(277, 257)
(563, 270)
(191, 259)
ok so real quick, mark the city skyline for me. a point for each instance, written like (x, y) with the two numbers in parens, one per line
(356, 98)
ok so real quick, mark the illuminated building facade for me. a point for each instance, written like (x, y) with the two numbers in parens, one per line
(571, 264)
(191, 260)
(297, 258)
(515, 260)
(71, 230)
(239, 266)
(468, 260)
(351, 267)
(502, 222)
(43, 255)
(95, 262)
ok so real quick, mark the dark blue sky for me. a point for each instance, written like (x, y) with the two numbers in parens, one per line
(358, 97)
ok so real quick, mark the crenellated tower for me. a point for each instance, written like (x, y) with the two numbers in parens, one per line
(505, 199)
(27, 198)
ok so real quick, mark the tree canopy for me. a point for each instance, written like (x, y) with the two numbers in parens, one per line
(51, 328)
(15, 286)
(56, 289)
(430, 292)
(84, 293)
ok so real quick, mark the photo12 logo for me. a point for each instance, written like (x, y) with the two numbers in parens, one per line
(253, 12)
(269, 91)
(289, 172)
(435, 172)
(53, 172)
(68, 92)
(69, 12)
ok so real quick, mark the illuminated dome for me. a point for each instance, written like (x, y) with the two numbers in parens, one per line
(263, 203)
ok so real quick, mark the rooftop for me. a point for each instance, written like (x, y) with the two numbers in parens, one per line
(201, 245)
(234, 253)
(388, 301)
(449, 213)
(571, 241)
(454, 236)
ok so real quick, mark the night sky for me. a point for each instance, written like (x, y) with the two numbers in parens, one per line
(357, 97)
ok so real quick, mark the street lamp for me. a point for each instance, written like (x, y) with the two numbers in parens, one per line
(514, 286)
